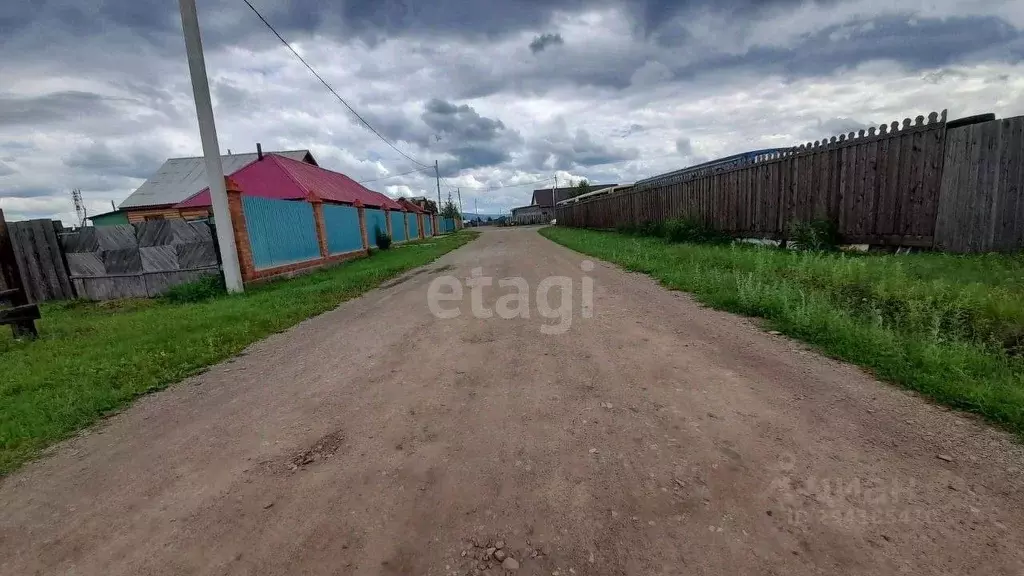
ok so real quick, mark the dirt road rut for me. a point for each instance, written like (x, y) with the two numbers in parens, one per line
(655, 437)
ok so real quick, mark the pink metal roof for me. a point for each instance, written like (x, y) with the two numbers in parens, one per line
(411, 207)
(286, 179)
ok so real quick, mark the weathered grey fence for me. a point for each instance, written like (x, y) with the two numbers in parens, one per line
(981, 201)
(879, 187)
(37, 249)
(139, 260)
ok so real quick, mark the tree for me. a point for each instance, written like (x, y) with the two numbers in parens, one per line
(450, 210)
(581, 187)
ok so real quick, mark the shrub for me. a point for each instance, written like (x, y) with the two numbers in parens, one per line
(383, 239)
(820, 235)
(203, 289)
(693, 231)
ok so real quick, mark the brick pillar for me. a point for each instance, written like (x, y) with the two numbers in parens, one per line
(421, 226)
(241, 232)
(405, 222)
(434, 228)
(362, 226)
(387, 222)
(318, 219)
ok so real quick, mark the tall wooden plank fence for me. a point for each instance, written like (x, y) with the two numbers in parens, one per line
(880, 186)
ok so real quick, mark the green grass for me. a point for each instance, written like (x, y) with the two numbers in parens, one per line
(948, 326)
(94, 358)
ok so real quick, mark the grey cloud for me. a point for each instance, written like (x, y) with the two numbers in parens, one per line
(6, 169)
(50, 108)
(540, 43)
(100, 158)
(26, 192)
(562, 151)
(684, 147)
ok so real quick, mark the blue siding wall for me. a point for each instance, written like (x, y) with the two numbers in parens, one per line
(428, 225)
(341, 225)
(374, 221)
(447, 225)
(414, 226)
(280, 231)
(397, 226)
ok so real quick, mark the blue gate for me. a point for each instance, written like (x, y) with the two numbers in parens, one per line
(374, 221)
(341, 226)
(280, 231)
(428, 225)
(414, 226)
(397, 226)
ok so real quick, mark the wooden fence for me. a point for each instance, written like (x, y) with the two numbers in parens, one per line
(981, 201)
(879, 187)
(37, 249)
(139, 260)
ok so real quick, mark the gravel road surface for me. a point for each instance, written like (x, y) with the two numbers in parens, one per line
(654, 436)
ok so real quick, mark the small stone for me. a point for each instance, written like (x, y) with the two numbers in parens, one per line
(593, 450)
(499, 544)
(490, 552)
(774, 332)
(499, 555)
(768, 512)
(463, 553)
(510, 564)
(944, 458)
(267, 505)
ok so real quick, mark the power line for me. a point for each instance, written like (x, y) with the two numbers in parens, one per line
(324, 82)
(509, 185)
(395, 175)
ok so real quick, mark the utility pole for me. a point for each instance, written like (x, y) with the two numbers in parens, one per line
(437, 177)
(211, 149)
(458, 191)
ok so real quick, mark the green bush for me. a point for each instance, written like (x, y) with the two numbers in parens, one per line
(821, 235)
(693, 231)
(203, 289)
(383, 239)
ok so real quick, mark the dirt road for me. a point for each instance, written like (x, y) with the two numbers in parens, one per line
(655, 437)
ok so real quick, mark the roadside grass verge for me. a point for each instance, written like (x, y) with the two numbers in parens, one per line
(94, 358)
(948, 326)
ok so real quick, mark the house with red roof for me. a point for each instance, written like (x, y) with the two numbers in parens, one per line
(281, 178)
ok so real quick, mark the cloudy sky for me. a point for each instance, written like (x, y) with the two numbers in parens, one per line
(95, 94)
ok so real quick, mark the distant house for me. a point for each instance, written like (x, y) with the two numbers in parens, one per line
(283, 178)
(181, 178)
(542, 205)
(425, 203)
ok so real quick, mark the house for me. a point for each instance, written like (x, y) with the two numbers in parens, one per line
(181, 178)
(425, 203)
(280, 177)
(542, 205)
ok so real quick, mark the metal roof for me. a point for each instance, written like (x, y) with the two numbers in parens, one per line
(180, 178)
(277, 176)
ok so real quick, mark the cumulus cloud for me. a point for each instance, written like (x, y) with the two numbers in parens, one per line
(632, 92)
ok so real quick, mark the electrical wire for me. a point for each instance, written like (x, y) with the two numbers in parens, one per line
(324, 82)
(396, 175)
(511, 185)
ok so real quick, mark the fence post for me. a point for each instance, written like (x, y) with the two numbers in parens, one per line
(362, 225)
(405, 222)
(248, 269)
(12, 282)
(318, 221)
(387, 221)
(436, 220)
